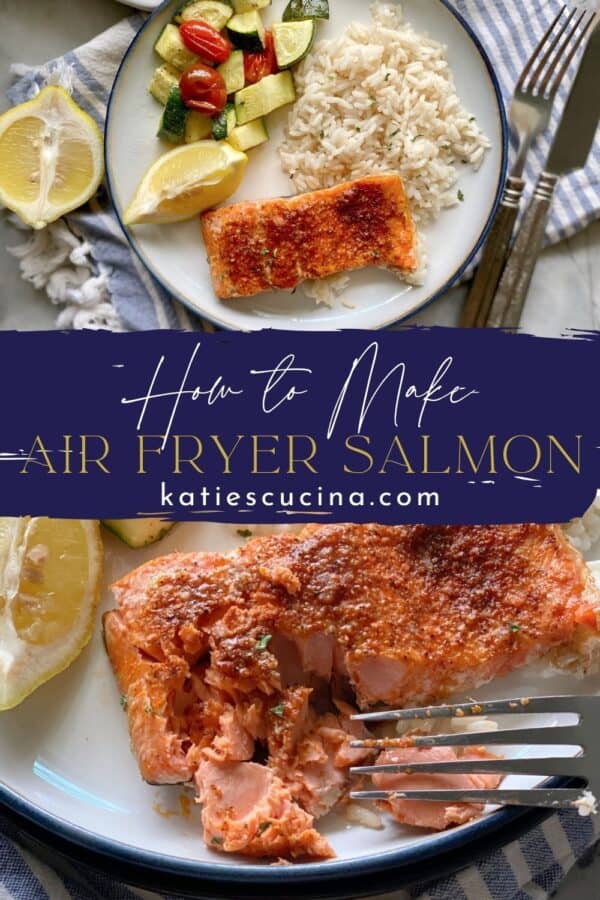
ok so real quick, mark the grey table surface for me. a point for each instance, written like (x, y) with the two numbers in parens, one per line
(565, 293)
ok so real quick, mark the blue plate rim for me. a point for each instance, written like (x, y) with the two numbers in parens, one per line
(452, 280)
(299, 873)
(391, 859)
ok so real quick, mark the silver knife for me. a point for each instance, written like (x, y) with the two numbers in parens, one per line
(570, 150)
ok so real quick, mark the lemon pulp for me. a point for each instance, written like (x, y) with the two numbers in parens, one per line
(50, 157)
(49, 584)
(186, 181)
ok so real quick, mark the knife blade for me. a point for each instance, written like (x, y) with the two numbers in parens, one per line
(577, 130)
(570, 149)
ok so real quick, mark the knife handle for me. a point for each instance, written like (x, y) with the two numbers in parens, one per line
(509, 301)
(477, 307)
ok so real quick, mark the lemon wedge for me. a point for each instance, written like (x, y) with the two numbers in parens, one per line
(186, 181)
(51, 157)
(49, 588)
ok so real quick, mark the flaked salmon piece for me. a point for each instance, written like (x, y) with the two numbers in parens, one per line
(148, 688)
(230, 654)
(247, 809)
(267, 244)
(426, 813)
(311, 752)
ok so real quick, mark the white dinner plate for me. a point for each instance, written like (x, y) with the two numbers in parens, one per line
(375, 298)
(142, 4)
(65, 762)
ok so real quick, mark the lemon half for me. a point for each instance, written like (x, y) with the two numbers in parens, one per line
(49, 588)
(186, 181)
(51, 159)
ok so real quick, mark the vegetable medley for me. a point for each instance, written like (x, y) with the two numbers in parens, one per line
(223, 72)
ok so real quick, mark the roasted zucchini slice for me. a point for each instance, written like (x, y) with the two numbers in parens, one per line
(197, 127)
(165, 78)
(137, 533)
(293, 41)
(245, 137)
(172, 49)
(174, 118)
(215, 12)
(258, 100)
(224, 123)
(246, 31)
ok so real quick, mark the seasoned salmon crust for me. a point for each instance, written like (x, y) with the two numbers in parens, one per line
(241, 672)
(260, 245)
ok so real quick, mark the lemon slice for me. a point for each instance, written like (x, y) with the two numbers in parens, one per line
(186, 181)
(51, 159)
(49, 587)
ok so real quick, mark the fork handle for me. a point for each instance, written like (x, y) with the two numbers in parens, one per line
(477, 307)
(509, 301)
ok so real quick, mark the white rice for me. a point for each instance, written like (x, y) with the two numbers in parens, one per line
(584, 533)
(381, 99)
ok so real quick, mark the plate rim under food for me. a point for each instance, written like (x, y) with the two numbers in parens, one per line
(145, 5)
(261, 324)
(323, 873)
(333, 878)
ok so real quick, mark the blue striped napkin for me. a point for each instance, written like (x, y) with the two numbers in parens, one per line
(509, 29)
(529, 869)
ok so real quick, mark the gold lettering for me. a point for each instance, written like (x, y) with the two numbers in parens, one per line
(360, 451)
(257, 451)
(38, 448)
(508, 446)
(190, 460)
(303, 460)
(403, 460)
(426, 438)
(142, 450)
(574, 463)
(86, 459)
(490, 449)
(226, 456)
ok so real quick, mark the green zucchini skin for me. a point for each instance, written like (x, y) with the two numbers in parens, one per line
(138, 533)
(306, 9)
(171, 48)
(247, 32)
(224, 123)
(269, 94)
(174, 118)
(164, 79)
(197, 127)
(233, 72)
(216, 12)
(246, 137)
(242, 6)
(300, 34)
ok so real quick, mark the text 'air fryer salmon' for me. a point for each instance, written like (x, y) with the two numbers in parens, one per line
(241, 672)
(266, 244)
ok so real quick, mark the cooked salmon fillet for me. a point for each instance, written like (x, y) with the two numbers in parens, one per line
(257, 660)
(425, 813)
(258, 246)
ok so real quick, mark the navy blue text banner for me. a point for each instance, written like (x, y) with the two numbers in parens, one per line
(431, 426)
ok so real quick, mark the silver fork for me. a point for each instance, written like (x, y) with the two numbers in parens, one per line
(529, 115)
(584, 735)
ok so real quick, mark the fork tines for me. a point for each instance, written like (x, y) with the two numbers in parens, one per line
(550, 63)
(475, 708)
(551, 734)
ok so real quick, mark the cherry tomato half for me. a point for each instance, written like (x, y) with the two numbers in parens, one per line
(204, 40)
(203, 90)
(258, 65)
